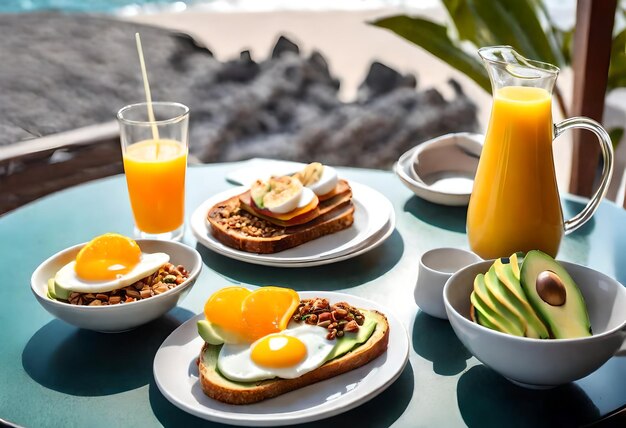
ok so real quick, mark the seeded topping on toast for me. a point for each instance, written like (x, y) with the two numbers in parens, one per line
(236, 225)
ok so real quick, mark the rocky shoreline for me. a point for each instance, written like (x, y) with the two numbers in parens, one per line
(69, 71)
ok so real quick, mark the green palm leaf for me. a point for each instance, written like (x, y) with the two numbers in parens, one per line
(434, 38)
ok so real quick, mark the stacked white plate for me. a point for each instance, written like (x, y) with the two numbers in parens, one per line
(374, 221)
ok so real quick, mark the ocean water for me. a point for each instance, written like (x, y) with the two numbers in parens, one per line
(96, 6)
(129, 7)
(562, 11)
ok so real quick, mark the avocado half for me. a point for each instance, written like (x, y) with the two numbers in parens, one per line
(542, 279)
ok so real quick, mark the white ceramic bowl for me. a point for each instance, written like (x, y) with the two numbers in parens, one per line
(442, 170)
(116, 318)
(537, 363)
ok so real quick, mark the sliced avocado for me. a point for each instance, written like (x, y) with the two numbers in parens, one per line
(515, 261)
(350, 340)
(60, 292)
(491, 310)
(51, 294)
(482, 320)
(555, 296)
(501, 294)
(473, 312)
(506, 276)
(483, 314)
(208, 333)
(507, 319)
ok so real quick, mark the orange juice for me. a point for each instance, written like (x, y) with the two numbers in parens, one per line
(515, 201)
(155, 174)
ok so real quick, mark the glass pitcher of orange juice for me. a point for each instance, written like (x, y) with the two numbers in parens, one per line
(515, 203)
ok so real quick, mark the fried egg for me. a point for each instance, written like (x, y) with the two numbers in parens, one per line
(288, 354)
(106, 263)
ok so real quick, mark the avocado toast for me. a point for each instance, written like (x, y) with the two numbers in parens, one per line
(220, 388)
(263, 343)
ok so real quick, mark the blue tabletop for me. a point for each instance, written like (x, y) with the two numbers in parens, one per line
(53, 374)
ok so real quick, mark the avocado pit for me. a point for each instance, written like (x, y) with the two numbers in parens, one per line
(550, 288)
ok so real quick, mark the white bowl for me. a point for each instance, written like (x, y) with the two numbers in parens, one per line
(537, 363)
(116, 318)
(442, 170)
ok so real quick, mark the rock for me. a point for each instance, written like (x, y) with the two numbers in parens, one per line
(80, 70)
(242, 70)
(382, 79)
(284, 45)
(67, 71)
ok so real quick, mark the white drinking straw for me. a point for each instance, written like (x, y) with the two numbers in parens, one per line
(146, 87)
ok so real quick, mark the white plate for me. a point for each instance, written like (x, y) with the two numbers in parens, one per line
(176, 374)
(373, 213)
(262, 168)
(372, 243)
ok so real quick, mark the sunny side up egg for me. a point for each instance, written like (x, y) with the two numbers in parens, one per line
(108, 262)
(67, 277)
(289, 354)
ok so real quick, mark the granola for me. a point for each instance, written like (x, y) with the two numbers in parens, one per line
(338, 318)
(167, 277)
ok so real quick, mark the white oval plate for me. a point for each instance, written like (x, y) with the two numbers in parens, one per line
(176, 375)
(373, 213)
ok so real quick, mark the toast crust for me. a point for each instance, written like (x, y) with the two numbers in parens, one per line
(219, 388)
(237, 228)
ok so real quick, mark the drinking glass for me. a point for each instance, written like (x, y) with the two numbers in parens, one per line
(155, 163)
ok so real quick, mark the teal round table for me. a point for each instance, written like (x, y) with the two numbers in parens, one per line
(53, 374)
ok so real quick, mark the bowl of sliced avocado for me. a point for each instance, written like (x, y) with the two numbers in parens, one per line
(538, 322)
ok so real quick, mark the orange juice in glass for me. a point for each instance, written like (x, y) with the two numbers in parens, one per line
(515, 203)
(155, 167)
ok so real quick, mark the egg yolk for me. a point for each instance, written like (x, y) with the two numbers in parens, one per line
(277, 351)
(251, 314)
(223, 308)
(268, 310)
(106, 257)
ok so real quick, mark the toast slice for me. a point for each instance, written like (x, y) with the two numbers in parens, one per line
(235, 227)
(222, 389)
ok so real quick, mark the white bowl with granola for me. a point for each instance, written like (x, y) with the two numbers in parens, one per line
(68, 286)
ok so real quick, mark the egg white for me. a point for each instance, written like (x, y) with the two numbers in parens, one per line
(326, 183)
(235, 362)
(67, 278)
(299, 200)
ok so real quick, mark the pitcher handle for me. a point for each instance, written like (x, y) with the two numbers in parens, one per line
(607, 167)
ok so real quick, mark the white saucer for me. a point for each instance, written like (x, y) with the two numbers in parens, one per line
(176, 375)
(442, 170)
(374, 221)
